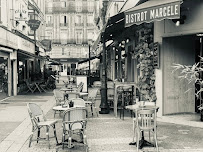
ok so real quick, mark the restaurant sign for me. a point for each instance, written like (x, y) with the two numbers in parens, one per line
(149, 14)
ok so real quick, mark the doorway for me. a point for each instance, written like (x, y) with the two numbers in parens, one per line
(179, 50)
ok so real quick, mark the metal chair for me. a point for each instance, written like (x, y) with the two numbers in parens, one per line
(59, 97)
(78, 102)
(39, 121)
(146, 121)
(31, 87)
(74, 123)
(91, 100)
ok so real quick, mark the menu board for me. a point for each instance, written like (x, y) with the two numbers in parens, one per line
(156, 55)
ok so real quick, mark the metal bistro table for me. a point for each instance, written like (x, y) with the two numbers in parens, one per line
(59, 109)
(120, 84)
(136, 107)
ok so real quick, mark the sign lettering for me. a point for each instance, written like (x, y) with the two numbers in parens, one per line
(170, 11)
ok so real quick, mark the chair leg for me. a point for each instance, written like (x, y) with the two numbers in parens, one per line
(92, 110)
(69, 142)
(47, 135)
(38, 135)
(63, 140)
(133, 130)
(155, 138)
(31, 136)
(54, 127)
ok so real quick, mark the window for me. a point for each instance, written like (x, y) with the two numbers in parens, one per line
(49, 19)
(78, 6)
(63, 4)
(79, 37)
(63, 51)
(90, 19)
(63, 20)
(78, 20)
(90, 6)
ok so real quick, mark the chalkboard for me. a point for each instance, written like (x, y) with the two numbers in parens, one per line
(156, 55)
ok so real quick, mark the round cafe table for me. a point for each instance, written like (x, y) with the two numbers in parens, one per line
(59, 109)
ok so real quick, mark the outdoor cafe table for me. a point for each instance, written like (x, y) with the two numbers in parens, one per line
(121, 84)
(136, 107)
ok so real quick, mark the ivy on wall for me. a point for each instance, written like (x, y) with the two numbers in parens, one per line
(144, 54)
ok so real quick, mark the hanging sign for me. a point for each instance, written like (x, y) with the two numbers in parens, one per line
(21, 15)
(34, 24)
(148, 14)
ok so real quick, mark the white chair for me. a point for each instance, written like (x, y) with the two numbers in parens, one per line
(91, 99)
(78, 102)
(146, 121)
(74, 123)
(39, 121)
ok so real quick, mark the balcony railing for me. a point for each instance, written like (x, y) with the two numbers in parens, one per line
(49, 24)
(63, 24)
(79, 24)
(90, 24)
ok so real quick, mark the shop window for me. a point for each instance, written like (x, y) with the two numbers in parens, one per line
(3, 75)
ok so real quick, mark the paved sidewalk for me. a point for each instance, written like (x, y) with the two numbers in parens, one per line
(181, 133)
(15, 122)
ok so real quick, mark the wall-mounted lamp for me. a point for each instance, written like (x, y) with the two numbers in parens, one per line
(179, 21)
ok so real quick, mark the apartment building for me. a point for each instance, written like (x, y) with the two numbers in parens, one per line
(70, 25)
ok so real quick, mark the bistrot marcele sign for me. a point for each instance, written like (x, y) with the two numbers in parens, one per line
(149, 14)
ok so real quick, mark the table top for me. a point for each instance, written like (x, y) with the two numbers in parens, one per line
(60, 108)
(137, 106)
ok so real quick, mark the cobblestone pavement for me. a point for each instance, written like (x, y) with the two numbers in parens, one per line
(108, 134)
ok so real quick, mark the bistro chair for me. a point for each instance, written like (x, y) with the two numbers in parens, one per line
(31, 87)
(78, 102)
(146, 121)
(148, 104)
(74, 123)
(76, 91)
(59, 97)
(124, 98)
(91, 99)
(39, 121)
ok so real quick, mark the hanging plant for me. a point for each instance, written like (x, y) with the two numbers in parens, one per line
(144, 55)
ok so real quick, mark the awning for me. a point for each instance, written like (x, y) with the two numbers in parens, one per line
(86, 60)
(153, 10)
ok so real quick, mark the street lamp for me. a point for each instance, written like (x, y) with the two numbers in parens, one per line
(89, 44)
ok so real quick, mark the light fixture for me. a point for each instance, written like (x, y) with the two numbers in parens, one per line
(127, 40)
(179, 21)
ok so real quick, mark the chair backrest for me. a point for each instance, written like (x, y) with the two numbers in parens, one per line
(110, 92)
(92, 94)
(75, 118)
(36, 113)
(146, 118)
(97, 83)
(80, 87)
(59, 96)
(110, 84)
(78, 102)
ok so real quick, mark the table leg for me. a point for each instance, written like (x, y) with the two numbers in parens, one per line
(115, 101)
(142, 142)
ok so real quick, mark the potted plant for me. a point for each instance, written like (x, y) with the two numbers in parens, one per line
(193, 74)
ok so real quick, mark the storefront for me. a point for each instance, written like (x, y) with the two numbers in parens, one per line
(8, 45)
(178, 36)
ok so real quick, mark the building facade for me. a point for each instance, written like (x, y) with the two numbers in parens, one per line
(19, 47)
(70, 26)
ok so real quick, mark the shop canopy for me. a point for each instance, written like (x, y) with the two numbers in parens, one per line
(152, 10)
(91, 58)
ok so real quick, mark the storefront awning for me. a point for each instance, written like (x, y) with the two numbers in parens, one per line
(86, 60)
(153, 10)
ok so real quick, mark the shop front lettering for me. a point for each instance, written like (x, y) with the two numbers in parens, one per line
(150, 14)
(164, 12)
